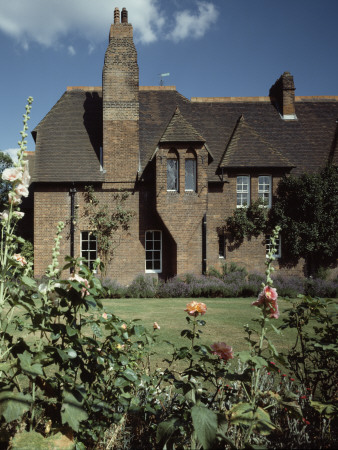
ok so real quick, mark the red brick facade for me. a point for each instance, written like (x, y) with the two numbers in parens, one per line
(135, 160)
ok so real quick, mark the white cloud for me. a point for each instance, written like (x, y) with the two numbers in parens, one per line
(12, 152)
(71, 50)
(193, 25)
(49, 23)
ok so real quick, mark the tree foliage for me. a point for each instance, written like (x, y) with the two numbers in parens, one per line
(306, 208)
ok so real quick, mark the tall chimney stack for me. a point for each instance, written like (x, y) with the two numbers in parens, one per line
(282, 95)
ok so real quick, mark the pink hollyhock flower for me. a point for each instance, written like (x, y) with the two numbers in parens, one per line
(12, 174)
(268, 299)
(81, 280)
(4, 215)
(195, 308)
(223, 350)
(18, 214)
(25, 175)
(22, 190)
(20, 259)
(14, 198)
(156, 326)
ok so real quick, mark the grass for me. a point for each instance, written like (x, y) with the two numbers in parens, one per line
(225, 319)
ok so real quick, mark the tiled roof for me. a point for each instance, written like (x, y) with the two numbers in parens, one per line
(180, 130)
(246, 148)
(68, 139)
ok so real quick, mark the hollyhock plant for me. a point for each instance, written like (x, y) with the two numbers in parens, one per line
(12, 174)
(21, 190)
(195, 308)
(14, 198)
(20, 259)
(223, 350)
(81, 280)
(268, 299)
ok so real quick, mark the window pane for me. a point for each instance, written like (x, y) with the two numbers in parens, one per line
(243, 191)
(264, 189)
(172, 174)
(190, 175)
(153, 257)
(88, 248)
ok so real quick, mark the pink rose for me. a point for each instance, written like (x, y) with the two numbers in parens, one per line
(223, 350)
(195, 308)
(105, 316)
(21, 189)
(12, 174)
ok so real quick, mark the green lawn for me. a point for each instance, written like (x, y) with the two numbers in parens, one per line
(225, 319)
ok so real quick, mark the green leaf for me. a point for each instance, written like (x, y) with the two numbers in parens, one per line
(26, 365)
(70, 331)
(205, 425)
(72, 411)
(241, 413)
(30, 282)
(165, 431)
(130, 375)
(327, 409)
(14, 404)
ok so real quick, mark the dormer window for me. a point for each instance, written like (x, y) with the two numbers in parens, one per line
(190, 171)
(172, 171)
(243, 191)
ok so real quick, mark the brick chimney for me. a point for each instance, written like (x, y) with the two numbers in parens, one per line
(282, 95)
(120, 87)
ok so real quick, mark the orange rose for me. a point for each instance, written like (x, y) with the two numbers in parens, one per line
(195, 308)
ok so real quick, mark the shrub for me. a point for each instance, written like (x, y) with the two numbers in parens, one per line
(174, 288)
(113, 289)
(142, 287)
(321, 288)
(288, 286)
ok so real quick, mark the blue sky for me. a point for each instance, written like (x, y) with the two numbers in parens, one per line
(211, 48)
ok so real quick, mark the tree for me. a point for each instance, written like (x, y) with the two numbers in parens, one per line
(306, 208)
(5, 163)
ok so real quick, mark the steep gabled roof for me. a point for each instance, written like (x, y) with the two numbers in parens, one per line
(68, 139)
(246, 148)
(180, 130)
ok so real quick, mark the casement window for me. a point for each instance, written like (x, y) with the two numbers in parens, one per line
(88, 248)
(243, 191)
(221, 246)
(172, 171)
(278, 246)
(153, 244)
(265, 190)
(190, 171)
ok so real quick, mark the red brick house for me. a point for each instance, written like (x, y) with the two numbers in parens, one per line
(187, 164)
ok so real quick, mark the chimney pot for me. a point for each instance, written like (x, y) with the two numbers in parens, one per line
(282, 94)
(116, 15)
(124, 16)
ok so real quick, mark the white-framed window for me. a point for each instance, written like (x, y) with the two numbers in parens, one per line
(221, 246)
(278, 245)
(243, 191)
(265, 190)
(88, 247)
(153, 244)
(172, 171)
